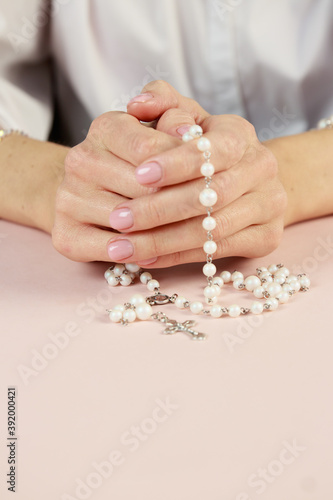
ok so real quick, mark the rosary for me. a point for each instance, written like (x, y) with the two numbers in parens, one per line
(274, 284)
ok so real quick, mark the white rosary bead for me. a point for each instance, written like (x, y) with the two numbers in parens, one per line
(207, 169)
(236, 275)
(279, 278)
(256, 307)
(208, 197)
(203, 144)
(283, 297)
(180, 302)
(210, 247)
(291, 277)
(137, 299)
(112, 280)
(209, 223)
(145, 277)
(108, 273)
(252, 282)
(286, 288)
(129, 315)
(237, 284)
(209, 269)
(118, 269)
(266, 274)
(115, 315)
(259, 292)
(218, 281)
(216, 311)
(152, 284)
(196, 307)
(234, 311)
(132, 267)
(144, 311)
(283, 270)
(212, 291)
(261, 270)
(272, 303)
(305, 282)
(187, 137)
(226, 276)
(274, 289)
(211, 301)
(195, 131)
(119, 307)
(268, 278)
(125, 279)
(295, 285)
(272, 268)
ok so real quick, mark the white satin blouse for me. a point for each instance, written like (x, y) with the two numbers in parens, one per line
(269, 61)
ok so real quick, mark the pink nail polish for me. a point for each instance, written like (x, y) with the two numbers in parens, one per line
(148, 173)
(184, 128)
(120, 250)
(141, 98)
(122, 218)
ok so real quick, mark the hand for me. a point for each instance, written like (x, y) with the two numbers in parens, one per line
(166, 225)
(99, 175)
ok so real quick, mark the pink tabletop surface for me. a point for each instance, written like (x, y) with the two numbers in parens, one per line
(107, 412)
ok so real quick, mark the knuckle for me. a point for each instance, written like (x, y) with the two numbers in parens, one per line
(64, 240)
(176, 259)
(144, 146)
(62, 201)
(155, 212)
(223, 226)
(74, 159)
(224, 187)
(154, 245)
(272, 236)
(60, 240)
(100, 123)
(224, 247)
(271, 164)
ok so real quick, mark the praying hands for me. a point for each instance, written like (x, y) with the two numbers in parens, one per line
(130, 192)
(145, 184)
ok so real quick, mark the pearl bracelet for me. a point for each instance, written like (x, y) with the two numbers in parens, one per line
(6, 133)
(274, 283)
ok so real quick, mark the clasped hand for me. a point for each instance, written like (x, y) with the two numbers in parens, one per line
(131, 192)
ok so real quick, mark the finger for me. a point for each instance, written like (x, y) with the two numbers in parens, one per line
(189, 234)
(81, 242)
(159, 96)
(124, 136)
(89, 208)
(182, 201)
(231, 140)
(251, 242)
(175, 122)
(101, 169)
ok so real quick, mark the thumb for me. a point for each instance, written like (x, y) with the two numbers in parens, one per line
(159, 96)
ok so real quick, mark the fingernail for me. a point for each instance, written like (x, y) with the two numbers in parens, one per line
(148, 173)
(122, 218)
(120, 249)
(184, 128)
(141, 98)
(147, 262)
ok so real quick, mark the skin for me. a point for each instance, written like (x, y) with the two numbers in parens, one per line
(71, 192)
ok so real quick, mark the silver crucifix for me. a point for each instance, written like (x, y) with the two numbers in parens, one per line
(174, 326)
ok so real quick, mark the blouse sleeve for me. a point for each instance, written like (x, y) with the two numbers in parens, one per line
(25, 69)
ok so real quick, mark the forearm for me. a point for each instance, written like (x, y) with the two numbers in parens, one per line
(30, 173)
(306, 171)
